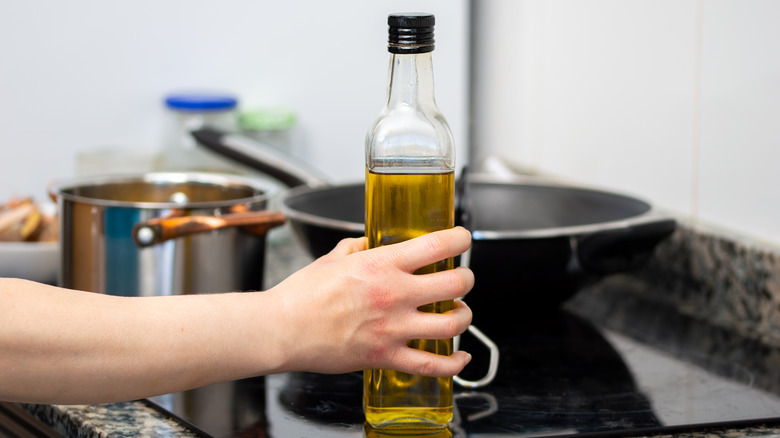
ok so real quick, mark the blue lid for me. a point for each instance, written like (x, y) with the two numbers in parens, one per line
(200, 101)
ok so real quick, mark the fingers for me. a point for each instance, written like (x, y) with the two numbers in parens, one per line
(429, 248)
(433, 326)
(443, 285)
(441, 326)
(424, 363)
(347, 246)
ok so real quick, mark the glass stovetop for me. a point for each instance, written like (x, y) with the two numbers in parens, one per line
(558, 375)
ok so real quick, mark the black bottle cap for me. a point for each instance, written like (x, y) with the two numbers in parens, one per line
(410, 33)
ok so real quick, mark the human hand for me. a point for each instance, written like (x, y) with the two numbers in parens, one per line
(356, 309)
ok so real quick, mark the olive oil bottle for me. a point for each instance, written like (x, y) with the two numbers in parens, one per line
(410, 182)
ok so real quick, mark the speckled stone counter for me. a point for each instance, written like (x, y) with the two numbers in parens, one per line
(727, 280)
(115, 420)
(698, 278)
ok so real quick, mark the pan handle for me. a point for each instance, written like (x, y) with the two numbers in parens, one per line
(492, 365)
(620, 249)
(159, 230)
(259, 156)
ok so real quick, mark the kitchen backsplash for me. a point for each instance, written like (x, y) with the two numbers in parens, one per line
(708, 275)
(729, 280)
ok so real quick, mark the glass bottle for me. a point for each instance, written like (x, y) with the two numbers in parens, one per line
(410, 162)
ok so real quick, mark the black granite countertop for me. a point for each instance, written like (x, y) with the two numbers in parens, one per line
(698, 281)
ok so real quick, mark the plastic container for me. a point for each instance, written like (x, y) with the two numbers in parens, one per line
(272, 126)
(194, 110)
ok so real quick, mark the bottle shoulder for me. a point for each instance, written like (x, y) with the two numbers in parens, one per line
(405, 124)
(407, 134)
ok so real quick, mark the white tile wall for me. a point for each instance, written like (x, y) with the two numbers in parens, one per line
(739, 183)
(81, 74)
(674, 101)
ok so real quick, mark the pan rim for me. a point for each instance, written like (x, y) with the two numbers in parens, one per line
(651, 215)
(309, 218)
(648, 217)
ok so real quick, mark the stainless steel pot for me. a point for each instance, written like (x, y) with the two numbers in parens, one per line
(163, 233)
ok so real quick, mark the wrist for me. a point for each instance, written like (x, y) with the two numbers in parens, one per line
(267, 342)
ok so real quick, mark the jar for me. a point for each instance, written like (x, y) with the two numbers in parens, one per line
(191, 111)
(272, 126)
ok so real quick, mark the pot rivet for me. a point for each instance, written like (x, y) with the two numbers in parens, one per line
(145, 236)
(179, 198)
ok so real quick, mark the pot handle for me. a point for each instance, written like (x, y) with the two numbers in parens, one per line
(159, 230)
(620, 249)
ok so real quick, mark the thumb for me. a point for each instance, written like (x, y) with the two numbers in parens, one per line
(347, 246)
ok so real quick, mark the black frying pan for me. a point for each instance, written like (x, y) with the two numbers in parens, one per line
(534, 244)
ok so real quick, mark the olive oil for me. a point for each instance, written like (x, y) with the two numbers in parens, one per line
(370, 432)
(400, 206)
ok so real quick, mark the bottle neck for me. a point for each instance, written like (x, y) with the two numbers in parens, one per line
(411, 80)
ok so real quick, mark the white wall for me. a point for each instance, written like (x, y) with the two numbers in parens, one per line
(676, 101)
(82, 74)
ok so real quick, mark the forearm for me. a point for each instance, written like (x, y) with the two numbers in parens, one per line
(77, 347)
(349, 310)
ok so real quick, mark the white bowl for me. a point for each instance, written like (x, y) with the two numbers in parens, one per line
(37, 261)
